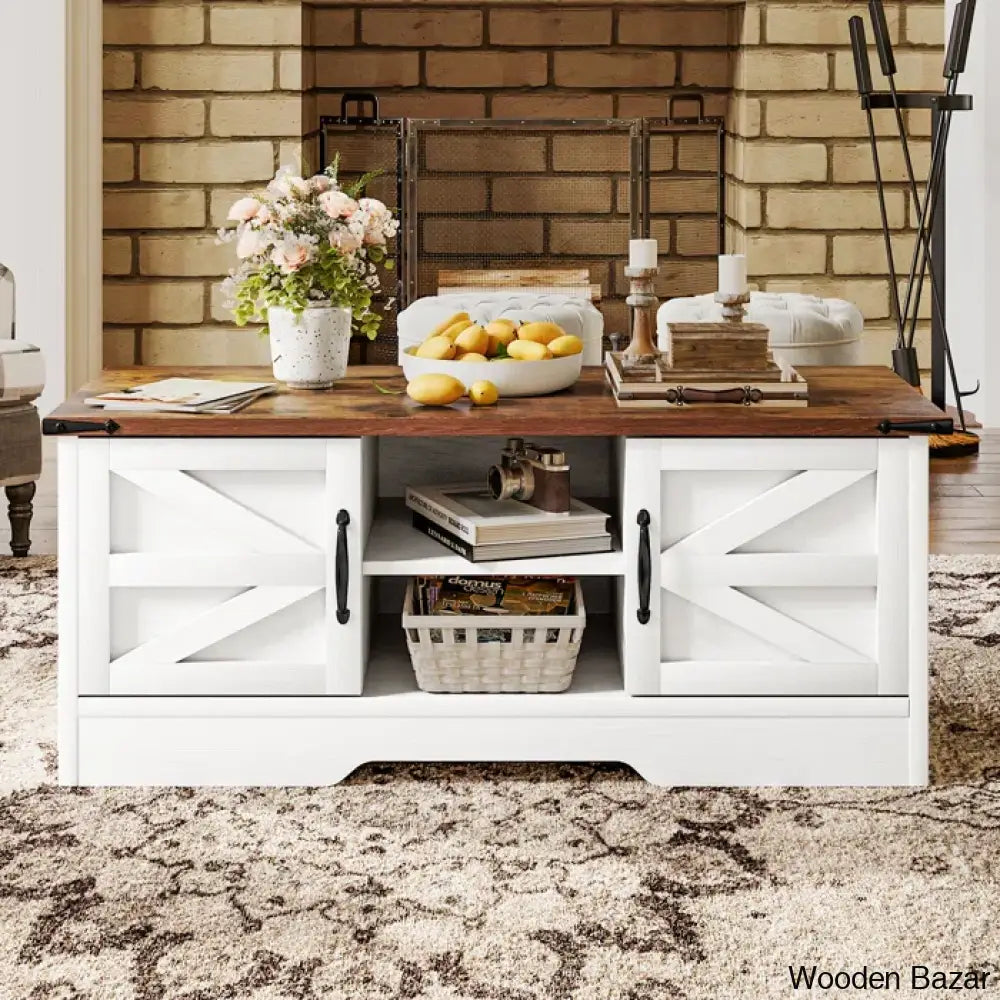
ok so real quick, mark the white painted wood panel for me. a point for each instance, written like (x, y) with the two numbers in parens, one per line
(93, 506)
(68, 682)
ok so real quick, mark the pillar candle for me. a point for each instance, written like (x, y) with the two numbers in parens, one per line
(642, 253)
(733, 274)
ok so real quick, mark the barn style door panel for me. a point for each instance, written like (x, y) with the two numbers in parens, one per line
(775, 567)
(217, 570)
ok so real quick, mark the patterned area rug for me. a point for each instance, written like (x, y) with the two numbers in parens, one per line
(500, 883)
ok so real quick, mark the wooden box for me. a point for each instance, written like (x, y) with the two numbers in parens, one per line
(721, 347)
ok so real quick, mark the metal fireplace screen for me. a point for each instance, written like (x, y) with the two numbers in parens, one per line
(366, 143)
(497, 195)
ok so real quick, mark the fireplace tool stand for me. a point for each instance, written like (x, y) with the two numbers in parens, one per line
(928, 252)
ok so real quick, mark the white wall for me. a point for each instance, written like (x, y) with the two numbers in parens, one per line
(974, 220)
(33, 175)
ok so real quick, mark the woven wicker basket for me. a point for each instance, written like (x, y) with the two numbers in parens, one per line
(527, 654)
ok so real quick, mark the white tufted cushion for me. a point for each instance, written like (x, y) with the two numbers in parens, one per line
(805, 330)
(22, 372)
(573, 314)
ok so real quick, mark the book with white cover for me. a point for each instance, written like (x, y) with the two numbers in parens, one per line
(184, 395)
(469, 511)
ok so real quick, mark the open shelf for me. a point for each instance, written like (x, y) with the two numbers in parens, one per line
(396, 548)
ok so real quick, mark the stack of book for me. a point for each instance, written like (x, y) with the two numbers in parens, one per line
(185, 395)
(466, 518)
(493, 595)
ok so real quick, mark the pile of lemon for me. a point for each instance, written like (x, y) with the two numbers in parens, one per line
(459, 339)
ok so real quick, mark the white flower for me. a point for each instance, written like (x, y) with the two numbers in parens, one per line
(338, 205)
(292, 253)
(378, 226)
(244, 210)
(287, 183)
(250, 243)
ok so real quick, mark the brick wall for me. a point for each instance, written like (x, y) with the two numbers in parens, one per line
(205, 98)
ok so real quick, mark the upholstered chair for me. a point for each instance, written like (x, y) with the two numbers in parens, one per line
(22, 378)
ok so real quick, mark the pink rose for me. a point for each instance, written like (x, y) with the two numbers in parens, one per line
(251, 242)
(320, 183)
(244, 210)
(290, 255)
(337, 205)
(345, 241)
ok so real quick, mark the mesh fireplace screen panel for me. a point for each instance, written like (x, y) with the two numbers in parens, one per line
(495, 195)
(365, 147)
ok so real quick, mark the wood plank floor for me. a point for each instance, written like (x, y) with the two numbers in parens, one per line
(965, 504)
(965, 501)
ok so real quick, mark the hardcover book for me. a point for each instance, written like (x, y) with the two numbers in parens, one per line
(184, 395)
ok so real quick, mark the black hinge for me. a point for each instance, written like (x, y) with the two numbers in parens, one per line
(946, 426)
(54, 425)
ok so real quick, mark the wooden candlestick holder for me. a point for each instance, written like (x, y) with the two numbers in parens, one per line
(733, 305)
(643, 300)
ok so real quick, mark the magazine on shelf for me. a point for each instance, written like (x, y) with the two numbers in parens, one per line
(184, 395)
(511, 550)
(469, 512)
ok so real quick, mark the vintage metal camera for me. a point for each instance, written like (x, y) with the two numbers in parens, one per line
(532, 474)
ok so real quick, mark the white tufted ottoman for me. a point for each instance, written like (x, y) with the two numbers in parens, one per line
(805, 330)
(573, 314)
(22, 378)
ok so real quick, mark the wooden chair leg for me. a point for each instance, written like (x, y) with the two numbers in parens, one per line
(19, 511)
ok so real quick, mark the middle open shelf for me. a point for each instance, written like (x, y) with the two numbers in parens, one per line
(396, 548)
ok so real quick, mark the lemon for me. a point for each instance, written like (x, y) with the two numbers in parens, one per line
(461, 317)
(563, 347)
(437, 349)
(540, 333)
(528, 350)
(483, 393)
(472, 356)
(435, 390)
(473, 339)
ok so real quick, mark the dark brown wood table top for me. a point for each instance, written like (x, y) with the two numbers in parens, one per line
(844, 402)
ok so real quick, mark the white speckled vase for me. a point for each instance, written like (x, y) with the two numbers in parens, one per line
(310, 352)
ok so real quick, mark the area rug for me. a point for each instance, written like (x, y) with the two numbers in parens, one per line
(497, 882)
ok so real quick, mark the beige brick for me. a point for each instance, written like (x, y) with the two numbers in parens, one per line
(184, 256)
(853, 164)
(332, 27)
(744, 24)
(486, 69)
(866, 254)
(256, 24)
(217, 310)
(205, 162)
(141, 118)
(744, 205)
(555, 105)
(421, 28)
(789, 208)
(447, 195)
(697, 237)
(297, 70)
(567, 237)
(615, 69)
(925, 25)
(118, 70)
(918, 69)
(119, 162)
(819, 24)
(277, 115)
(482, 152)
(880, 338)
(551, 195)
(764, 70)
(118, 348)
(117, 253)
(541, 28)
(706, 68)
(153, 302)
(819, 117)
(292, 153)
(367, 69)
(208, 70)
(786, 253)
(746, 116)
(219, 202)
(925, 309)
(512, 236)
(673, 26)
(180, 208)
(591, 153)
(204, 345)
(783, 163)
(159, 24)
(871, 297)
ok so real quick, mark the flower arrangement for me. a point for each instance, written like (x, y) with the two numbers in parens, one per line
(308, 242)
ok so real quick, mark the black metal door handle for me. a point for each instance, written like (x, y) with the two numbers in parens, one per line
(341, 567)
(645, 567)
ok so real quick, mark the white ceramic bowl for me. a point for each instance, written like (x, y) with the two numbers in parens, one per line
(512, 378)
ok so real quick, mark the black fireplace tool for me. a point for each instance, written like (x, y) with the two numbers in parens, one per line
(904, 355)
